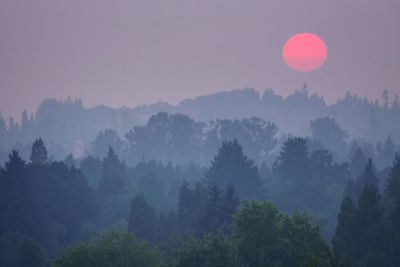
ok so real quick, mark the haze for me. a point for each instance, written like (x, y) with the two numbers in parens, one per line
(134, 52)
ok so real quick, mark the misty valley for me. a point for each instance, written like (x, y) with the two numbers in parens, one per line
(230, 179)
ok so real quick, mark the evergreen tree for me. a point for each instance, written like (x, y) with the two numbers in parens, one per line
(392, 207)
(231, 166)
(13, 195)
(343, 245)
(24, 121)
(212, 220)
(367, 178)
(392, 185)
(370, 237)
(357, 164)
(327, 131)
(389, 150)
(2, 126)
(293, 159)
(361, 238)
(113, 175)
(38, 152)
(142, 219)
(230, 205)
(186, 208)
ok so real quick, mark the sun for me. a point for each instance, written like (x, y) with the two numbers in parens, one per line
(305, 52)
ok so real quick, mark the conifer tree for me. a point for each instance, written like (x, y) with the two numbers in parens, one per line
(38, 152)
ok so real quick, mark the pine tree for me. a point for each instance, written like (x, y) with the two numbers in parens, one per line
(2, 125)
(231, 166)
(211, 220)
(38, 152)
(230, 205)
(343, 246)
(142, 219)
(367, 178)
(392, 185)
(113, 175)
(186, 212)
(389, 150)
(370, 234)
(392, 207)
(357, 164)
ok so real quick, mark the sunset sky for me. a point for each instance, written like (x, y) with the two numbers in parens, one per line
(129, 52)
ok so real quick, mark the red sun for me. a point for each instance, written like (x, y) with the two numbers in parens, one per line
(305, 52)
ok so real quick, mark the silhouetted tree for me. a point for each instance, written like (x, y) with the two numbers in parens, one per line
(357, 164)
(367, 178)
(212, 220)
(389, 150)
(142, 219)
(113, 178)
(105, 139)
(343, 243)
(230, 204)
(231, 166)
(39, 152)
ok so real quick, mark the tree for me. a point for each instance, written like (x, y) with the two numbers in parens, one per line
(113, 175)
(105, 139)
(142, 219)
(190, 207)
(3, 128)
(329, 133)
(115, 248)
(293, 159)
(294, 177)
(18, 250)
(357, 164)
(210, 251)
(91, 168)
(256, 234)
(38, 153)
(392, 185)
(231, 166)
(367, 178)
(264, 237)
(230, 205)
(343, 245)
(211, 220)
(392, 207)
(361, 238)
(389, 150)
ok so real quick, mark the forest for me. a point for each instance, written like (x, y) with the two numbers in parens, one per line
(173, 186)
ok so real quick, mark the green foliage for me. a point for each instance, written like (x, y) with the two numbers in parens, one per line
(115, 248)
(264, 237)
(210, 251)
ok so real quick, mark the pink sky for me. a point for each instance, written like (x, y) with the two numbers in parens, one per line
(128, 52)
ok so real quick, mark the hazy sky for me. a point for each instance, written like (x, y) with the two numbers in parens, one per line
(128, 52)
